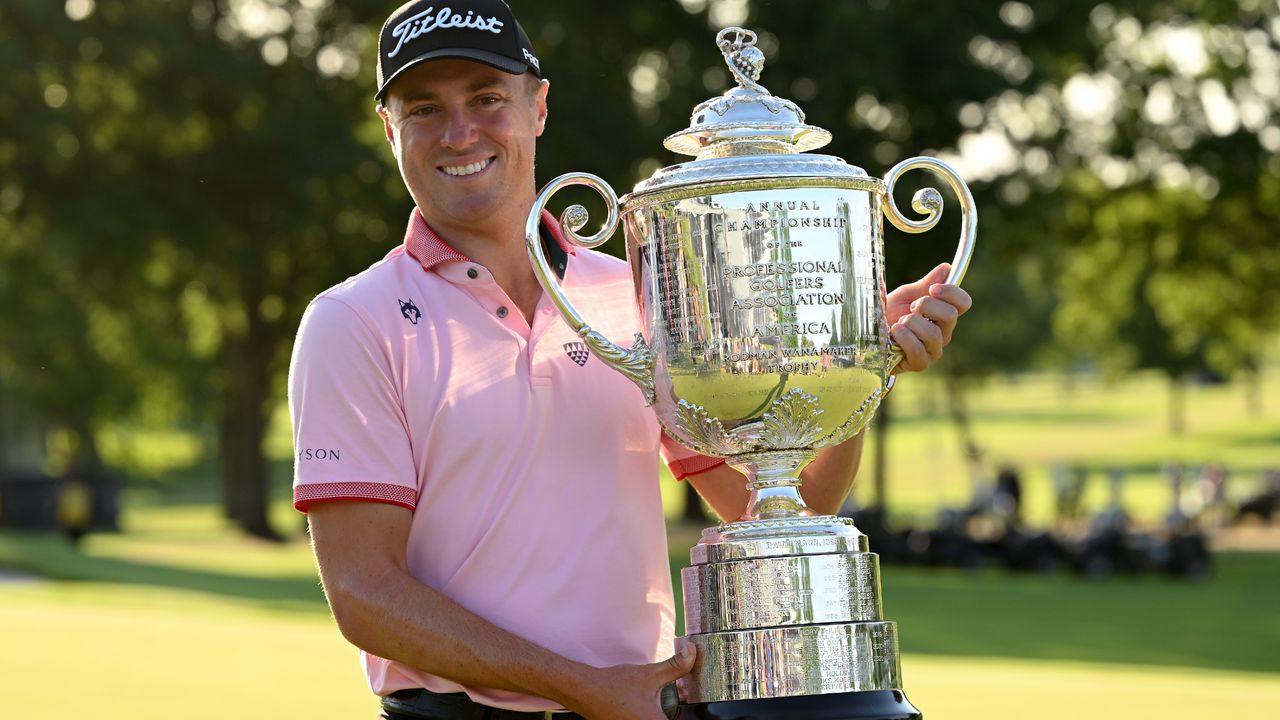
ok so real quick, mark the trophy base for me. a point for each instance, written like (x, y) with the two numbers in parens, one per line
(866, 705)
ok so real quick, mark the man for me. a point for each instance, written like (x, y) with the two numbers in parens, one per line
(483, 503)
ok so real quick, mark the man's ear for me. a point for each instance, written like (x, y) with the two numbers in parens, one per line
(540, 97)
(386, 125)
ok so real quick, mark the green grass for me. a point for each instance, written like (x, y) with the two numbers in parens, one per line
(179, 615)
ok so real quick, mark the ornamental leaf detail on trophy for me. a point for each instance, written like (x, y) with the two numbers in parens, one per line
(704, 430)
(792, 421)
(856, 421)
(635, 363)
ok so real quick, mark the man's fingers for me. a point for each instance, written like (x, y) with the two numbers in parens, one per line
(921, 286)
(677, 665)
(952, 295)
(914, 355)
(927, 333)
(942, 314)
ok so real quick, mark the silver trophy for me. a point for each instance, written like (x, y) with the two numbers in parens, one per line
(759, 273)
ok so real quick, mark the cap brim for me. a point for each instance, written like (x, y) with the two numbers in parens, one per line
(501, 62)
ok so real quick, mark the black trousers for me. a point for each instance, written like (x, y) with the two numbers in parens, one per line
(426, 705)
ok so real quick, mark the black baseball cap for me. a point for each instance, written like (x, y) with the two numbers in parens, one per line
(485, 31)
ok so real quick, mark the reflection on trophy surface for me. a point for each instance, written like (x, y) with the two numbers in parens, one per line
(759, 272)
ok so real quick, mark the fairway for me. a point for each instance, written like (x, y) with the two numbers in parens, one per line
(144, 655)
(181, 618)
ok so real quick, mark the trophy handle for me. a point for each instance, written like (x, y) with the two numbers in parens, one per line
(636, 362)
(928, 202)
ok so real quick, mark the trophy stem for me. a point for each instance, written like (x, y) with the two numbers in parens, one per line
(773, 477)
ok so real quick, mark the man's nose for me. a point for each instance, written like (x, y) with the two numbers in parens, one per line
(460, 131)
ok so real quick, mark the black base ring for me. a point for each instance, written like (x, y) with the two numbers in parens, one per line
(869, 705)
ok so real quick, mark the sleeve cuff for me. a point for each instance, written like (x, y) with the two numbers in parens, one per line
(307, 494)
(682, 469)
(684, 462)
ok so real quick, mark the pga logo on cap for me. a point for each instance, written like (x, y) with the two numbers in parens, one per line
(428, 20)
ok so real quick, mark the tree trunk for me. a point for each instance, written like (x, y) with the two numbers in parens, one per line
(1253, 392)
(958, 408)
(243, 427)
(4, 438)
(1177, 404)
(5, 470)
(86, 464)
(880, 496)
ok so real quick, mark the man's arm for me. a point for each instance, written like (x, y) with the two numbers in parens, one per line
(922, 316)
(826, 482)
(383, 610)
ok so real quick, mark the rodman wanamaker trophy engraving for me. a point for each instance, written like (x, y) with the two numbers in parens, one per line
(759, 273)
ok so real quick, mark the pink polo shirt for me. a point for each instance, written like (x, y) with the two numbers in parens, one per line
(530, 466)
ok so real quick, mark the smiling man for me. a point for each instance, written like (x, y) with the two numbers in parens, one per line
(486, 516)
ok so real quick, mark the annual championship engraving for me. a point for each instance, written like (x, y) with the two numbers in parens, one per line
(759, 275)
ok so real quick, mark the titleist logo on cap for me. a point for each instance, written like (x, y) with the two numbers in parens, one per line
(429, 19)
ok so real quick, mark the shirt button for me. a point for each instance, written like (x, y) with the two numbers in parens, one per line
(471, 273)
(502, 311)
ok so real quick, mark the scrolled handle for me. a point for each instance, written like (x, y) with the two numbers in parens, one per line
(636, 362)
(928, 202)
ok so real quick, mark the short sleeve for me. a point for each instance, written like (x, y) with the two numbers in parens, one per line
(350, 438)
(684, 462)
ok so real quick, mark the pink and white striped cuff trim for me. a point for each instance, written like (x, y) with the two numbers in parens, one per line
(693, 465)
(309, 493)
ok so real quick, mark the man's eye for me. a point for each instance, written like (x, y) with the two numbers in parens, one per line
(422, 110)
(489, 100)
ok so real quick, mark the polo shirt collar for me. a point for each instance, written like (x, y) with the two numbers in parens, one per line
(430, 250)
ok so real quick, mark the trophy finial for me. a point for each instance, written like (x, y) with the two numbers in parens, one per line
(744, 59)
(747, 119)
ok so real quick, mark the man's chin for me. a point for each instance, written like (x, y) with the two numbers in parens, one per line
(465, 211)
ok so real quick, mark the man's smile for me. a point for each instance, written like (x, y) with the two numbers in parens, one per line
(467, 169)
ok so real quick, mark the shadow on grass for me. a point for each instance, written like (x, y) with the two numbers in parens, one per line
(51, 557)
(1227, 623)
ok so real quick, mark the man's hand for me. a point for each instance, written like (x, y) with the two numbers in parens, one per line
(632, 692)
(922, 316)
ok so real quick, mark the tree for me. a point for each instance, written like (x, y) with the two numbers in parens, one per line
(206, 184)
(1157, 136)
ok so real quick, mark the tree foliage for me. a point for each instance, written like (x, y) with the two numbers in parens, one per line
(177, 180)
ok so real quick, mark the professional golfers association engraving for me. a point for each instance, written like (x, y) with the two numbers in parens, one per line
(760, 278)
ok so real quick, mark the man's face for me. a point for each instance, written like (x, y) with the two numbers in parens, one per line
(463, 134)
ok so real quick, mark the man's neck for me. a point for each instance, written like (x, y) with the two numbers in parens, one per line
(498, 244)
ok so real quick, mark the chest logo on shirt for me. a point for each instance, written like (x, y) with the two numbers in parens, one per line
(409, 311)
(577, 352)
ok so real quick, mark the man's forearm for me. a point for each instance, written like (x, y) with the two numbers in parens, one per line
(829, 478)
(826, 481)
(394, 616)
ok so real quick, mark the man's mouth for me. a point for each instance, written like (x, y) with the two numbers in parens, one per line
(464, 170)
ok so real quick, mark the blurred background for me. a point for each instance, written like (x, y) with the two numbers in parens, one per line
(1078, 508)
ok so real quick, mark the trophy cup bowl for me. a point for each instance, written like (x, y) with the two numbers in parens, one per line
(759, 274)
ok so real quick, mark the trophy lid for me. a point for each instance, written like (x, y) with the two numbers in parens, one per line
(745, 134)
(747, 119)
